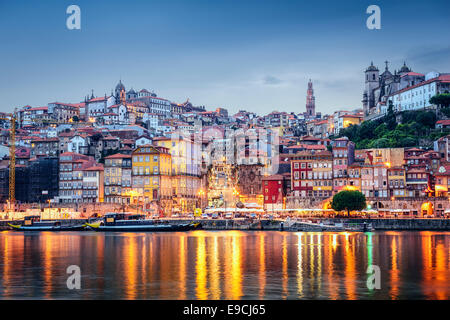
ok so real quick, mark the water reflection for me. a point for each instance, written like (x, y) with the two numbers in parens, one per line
(225, 265)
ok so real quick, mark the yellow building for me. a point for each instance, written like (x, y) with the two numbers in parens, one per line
(397, 181)
(151, 177)
(391, 157)
(347, 120)
(442, 181)
(185, 173)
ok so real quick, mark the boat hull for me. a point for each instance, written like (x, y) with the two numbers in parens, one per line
(47, 228)
(144, 228)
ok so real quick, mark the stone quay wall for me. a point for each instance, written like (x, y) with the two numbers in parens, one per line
(263, 224)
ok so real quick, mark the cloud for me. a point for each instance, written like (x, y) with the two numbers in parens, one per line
(436, 56)
(271, 80)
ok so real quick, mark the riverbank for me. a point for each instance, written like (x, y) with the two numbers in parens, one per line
(264, 224)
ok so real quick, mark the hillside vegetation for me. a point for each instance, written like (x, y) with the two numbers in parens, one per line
(417, 129)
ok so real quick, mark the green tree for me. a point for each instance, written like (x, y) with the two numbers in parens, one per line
(348, 200)
(389, 119)
(426, 118)
(446, 111)
(75, 119)
(442, 100)
(381, 130)
(380, 143)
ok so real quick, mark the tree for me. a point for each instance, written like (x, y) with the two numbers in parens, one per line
(75, 119)
(390, 117)
(348, 200)
(426, 118)
(381, 130)
(442, 100)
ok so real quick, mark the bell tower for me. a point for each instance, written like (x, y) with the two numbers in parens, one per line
(120, 93)
(372, 81)
(310, 101)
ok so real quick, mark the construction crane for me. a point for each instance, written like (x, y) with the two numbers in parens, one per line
(12, 161)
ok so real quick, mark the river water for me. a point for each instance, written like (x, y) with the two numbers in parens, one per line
(225, 265)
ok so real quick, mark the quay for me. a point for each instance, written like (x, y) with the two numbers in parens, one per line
(400, 224)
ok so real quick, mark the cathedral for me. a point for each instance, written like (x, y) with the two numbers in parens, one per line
(379, 86)
(121, 95)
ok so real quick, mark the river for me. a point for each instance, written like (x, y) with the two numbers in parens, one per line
(225, 265)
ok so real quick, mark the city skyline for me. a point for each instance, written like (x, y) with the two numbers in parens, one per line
(262, 62)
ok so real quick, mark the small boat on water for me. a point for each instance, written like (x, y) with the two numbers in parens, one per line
(137, 222)
(308, 225)
(34, 223)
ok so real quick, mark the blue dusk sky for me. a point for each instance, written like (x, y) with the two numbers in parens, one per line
(253, 55)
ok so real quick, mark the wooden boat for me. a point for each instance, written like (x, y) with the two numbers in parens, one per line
(133, 222)
(34, 223)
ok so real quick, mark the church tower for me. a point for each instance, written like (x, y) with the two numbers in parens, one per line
(371, 83)
(120, 93)
(310, 101)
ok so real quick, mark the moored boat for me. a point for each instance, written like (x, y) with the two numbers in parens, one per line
(34, 223)
(133, 222)
(307, 225)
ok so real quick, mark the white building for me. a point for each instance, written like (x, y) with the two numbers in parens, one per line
(142, 141)
(418, 96)
(121, 112)
(78, 144)
(93, 184)
(98, 106)
(152, 119)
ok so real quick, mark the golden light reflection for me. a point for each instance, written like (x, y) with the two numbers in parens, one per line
(6, 266)
(436, 262)
(182, 267)
(236, 272)
(201, 269)
(48, 272)
(334, 243)
(214, 267)
(319, 260)
(262, 266)
(442, 273)
(130, 261)
(394, 273)
(350, 270)
(299, 266)
(333, 288)
(285, 267)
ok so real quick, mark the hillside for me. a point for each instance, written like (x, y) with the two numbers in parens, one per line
(406, 129)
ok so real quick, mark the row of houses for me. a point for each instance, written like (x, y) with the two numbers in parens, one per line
(389, 173)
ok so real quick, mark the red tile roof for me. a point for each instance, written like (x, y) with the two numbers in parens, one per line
(99, 99)
(118, 156)
(443, 78)
(444, 122)
(97, 167)
(413, 74)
